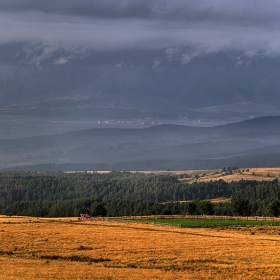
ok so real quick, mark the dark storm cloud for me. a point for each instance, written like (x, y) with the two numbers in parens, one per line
(79, 26)
(254, 11)
(91, 8)
(220, 11)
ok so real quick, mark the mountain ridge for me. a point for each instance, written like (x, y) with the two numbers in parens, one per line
(168, 144)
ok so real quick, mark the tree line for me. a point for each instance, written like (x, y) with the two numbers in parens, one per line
(54, 194)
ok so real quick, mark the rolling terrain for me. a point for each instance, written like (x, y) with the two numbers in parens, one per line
(252, 143)
(257, 174)
(66, 249)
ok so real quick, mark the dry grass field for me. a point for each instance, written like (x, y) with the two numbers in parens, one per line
(39, 248)
(259, 174)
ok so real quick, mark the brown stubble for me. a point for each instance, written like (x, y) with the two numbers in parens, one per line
(258, 174)
(134, 251)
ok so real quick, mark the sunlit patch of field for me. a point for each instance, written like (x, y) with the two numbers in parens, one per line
(259, 174)
(220, 200)
(67, 249)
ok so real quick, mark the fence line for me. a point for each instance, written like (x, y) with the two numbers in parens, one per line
(156, 217)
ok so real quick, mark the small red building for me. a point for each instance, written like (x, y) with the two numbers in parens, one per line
(84, 217)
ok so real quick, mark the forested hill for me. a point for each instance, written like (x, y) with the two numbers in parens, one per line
(123, 193)
(253, 143)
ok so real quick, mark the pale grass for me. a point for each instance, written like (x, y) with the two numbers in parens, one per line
(258, 174)
(220, 200)
(136, 251)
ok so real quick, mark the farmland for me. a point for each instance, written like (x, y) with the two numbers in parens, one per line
(57, 194)
(63, 248)
(215, 222)
(46, 246)
(259, 174)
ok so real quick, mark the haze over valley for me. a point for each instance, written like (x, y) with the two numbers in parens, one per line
(139, 84)
(253, 143)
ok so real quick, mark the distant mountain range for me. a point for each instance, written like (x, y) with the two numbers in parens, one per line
(251, 143)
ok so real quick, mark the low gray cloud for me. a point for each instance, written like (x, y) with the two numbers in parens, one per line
(238, 11)
(79, 26)
(88, 8)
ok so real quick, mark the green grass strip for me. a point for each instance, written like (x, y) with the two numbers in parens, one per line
(192, 223)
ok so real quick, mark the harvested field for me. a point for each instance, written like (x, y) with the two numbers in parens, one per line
(66, 249)
(258, 174)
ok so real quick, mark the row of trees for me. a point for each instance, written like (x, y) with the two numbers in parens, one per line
(236, 207)
(95, 207)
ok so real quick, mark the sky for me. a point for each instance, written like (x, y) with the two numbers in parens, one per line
(80, 26)
(126, 42)
(69, 65)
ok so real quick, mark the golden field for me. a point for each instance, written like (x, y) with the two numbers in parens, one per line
(258, 174)
(41, 248)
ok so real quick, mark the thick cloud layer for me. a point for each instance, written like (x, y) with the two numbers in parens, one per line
(113, 58)
(81, 25)
(254, 11)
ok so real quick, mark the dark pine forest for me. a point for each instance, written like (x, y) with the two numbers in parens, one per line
(60, 194)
